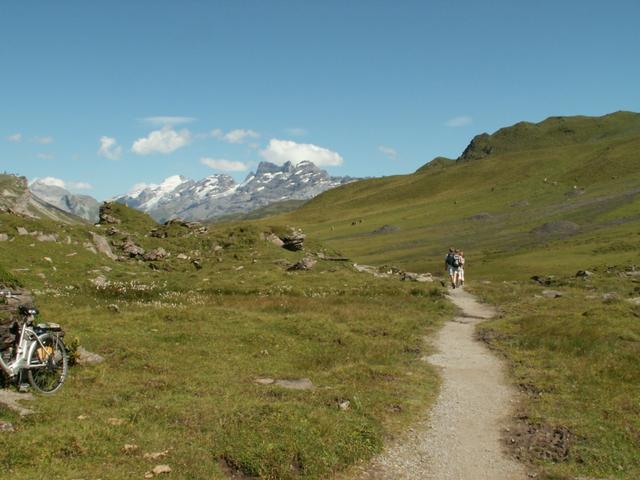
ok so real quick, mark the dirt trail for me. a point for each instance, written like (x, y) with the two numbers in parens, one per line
(460, 438)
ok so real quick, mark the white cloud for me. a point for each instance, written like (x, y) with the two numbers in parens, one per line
(388, 152)
(109, 148)
(52, 181)
(58, 182)
(239, 135)
(224, 165)
(43, 140)
(161, 120)
(16, 137)
(44, 156)
(281, 151)
(460, 121)
(164, 141)
(296, 131)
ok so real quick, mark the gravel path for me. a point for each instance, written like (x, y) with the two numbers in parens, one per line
(460, 438)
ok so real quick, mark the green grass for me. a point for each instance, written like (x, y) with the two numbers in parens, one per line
(183, 352)
(576, 356)
(185, 348)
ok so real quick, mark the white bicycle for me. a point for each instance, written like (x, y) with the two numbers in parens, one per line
(38, 351)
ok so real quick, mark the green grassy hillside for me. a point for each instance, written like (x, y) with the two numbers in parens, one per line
(491, 205)
(544, 199)
(185, 338)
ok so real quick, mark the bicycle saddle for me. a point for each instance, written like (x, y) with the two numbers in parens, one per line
(27, 310)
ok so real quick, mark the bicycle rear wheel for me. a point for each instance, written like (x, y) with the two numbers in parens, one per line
(48, 365)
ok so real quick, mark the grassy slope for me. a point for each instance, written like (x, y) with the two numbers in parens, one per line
(580, 351)
(183, 353)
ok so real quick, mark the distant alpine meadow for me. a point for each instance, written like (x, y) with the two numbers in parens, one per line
(254, 348)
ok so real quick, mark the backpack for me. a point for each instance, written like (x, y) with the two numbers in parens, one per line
(455, 262)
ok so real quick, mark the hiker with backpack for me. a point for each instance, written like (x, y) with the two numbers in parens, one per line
(452, 264)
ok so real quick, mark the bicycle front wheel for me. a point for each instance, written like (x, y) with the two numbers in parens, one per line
(48, 364)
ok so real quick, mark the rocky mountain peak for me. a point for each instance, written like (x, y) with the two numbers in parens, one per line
(219, 195)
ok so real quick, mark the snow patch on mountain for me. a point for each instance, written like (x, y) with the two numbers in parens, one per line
(219, 195)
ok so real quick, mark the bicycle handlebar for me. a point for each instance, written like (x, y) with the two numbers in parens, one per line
(8, 293)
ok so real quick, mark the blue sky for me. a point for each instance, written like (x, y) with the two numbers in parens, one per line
(104, 95)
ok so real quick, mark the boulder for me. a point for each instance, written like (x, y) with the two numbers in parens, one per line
(416, 277)
(583, 273)
(293, 241)
(22, 231)
(86, 357)
(551, 293)
(273, 238)
(102, 245)
(306, 263)
(100, 281)
(130, 248)
(156, 254)
(52, 237)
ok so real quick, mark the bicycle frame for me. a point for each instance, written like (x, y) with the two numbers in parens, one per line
(28, 342)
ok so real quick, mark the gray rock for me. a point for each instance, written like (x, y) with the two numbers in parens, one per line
(131, 249)
(416, 277)
(6, 427)
(4, 237)
(610, 297)
(273, 238)
(102, 245)
(634, 301)
(156, 254)
(182, 256)
(293, 241)
(265, 381)
(583, 273)
(100, 281)
(299, 384)
(10, 399)
(552, 293)
(47, 238)
(86, 357)
(22, 231)
(306, 263)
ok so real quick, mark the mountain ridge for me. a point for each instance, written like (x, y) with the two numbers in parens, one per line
(219, 195)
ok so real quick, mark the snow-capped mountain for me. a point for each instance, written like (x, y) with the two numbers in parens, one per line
(219, 195)
(83, 206)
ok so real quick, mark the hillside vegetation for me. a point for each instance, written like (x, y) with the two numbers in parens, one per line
(543, 200)
(206, 349)
(195, 342)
